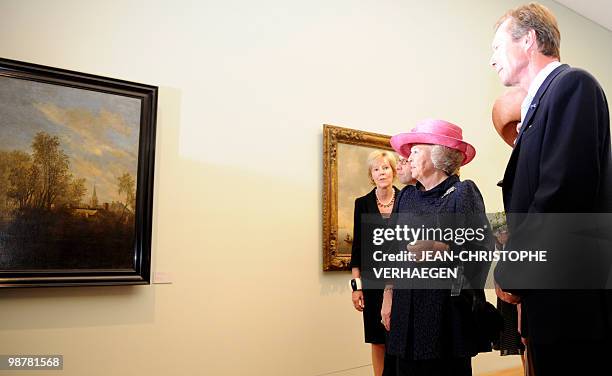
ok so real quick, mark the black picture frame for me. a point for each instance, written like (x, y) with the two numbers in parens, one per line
(137, 211)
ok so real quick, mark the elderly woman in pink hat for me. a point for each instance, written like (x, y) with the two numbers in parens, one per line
(432, 331)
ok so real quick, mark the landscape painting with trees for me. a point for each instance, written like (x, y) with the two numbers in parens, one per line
(68, 177)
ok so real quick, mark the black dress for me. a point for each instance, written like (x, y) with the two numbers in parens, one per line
(509, 342)
(432, 332)
(374, 331)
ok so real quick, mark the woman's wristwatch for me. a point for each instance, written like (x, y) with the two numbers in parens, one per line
(356, 284)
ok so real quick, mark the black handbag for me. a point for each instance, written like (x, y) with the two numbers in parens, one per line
(489, 321)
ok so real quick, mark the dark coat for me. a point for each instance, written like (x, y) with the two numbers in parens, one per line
(560, 164)
(431, 324)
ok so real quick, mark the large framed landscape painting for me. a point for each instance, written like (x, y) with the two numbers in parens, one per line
(76, 177)
(345, 178)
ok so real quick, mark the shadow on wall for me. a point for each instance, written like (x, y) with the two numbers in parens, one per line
(76, 307)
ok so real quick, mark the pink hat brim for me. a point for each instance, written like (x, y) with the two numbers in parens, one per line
(403, 142)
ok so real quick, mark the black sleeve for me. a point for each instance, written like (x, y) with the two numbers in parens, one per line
(472, 215)
(571, 158)
(356, 248)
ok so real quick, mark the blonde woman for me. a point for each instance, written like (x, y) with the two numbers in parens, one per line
(381, 171)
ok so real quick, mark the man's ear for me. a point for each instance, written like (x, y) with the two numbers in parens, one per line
(530, 40)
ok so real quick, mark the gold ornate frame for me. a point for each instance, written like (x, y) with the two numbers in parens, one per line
(332, 135)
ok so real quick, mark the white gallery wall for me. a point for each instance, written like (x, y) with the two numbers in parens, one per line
(245, 87)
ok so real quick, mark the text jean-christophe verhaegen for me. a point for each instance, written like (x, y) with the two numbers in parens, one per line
(457, 254)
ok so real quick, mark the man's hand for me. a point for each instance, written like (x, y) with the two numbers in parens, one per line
(385, 312)
(357, 298)
(518, 311)
(506, 296)
(420, 247)
(501, 238)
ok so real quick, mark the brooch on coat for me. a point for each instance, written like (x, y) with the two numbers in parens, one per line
(448, 192)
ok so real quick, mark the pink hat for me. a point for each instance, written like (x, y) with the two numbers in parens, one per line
(437, 132)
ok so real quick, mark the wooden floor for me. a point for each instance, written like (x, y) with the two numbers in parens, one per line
(507, 372)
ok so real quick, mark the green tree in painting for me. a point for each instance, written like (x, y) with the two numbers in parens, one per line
(74, 193)
(127, 186)
(77, 191)
(53, 164)
(41, 180)
(23, 179)
(5, 170)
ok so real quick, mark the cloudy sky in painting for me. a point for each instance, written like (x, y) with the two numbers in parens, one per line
(98, 131)
(353, 182)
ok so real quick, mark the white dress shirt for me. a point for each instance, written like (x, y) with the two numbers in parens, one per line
(535, 85)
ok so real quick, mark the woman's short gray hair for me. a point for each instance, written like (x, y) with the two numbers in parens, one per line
(446, 159)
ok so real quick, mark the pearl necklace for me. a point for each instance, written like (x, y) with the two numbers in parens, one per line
(387, 205)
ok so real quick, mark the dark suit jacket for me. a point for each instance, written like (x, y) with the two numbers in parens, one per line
(560, 164)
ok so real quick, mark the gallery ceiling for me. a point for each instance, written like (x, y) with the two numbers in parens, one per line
(598, 11)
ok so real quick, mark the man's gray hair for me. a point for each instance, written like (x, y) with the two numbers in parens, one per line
(541, 20)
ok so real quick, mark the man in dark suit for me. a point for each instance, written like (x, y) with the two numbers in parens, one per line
(560, 164)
